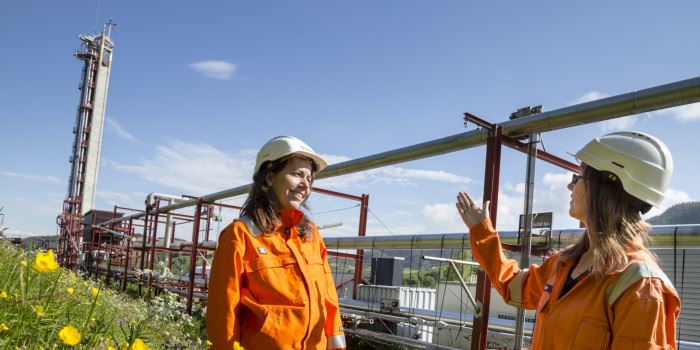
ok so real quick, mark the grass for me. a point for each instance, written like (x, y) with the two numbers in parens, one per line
(43, 306)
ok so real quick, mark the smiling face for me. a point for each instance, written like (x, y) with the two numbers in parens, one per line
(292, 185)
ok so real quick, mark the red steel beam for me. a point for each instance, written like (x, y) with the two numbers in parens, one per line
(360, 252)
(337, 194)
(483, 285)
(543, 155)
(193, 259)
(342, 255)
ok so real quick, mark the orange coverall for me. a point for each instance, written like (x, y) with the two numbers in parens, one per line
(633, 309)
(272, 290)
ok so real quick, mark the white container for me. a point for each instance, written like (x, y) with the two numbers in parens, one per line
(408, 297)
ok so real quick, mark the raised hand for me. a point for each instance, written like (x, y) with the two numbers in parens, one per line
(471, 214)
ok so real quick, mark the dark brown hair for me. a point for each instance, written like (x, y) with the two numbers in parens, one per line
(261, 204)
(614, 218)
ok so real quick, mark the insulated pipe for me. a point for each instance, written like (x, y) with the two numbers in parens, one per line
(151, 198)
(458, 240)
(658, 97)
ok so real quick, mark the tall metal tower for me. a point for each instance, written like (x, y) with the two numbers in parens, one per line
(96, 53)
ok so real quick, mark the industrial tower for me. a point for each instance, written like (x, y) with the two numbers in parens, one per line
(96, 53)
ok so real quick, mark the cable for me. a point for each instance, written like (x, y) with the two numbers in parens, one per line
(335, 210)
(380, 221)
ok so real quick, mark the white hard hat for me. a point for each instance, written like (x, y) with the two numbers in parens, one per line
(282, 146)
(642, 163)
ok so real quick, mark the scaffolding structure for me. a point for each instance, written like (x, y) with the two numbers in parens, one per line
(96, 54)
(141, 248)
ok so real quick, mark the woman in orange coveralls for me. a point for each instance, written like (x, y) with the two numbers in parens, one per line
(606, 291)
(271, 286)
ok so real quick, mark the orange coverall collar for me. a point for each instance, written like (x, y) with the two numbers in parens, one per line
(291, 217)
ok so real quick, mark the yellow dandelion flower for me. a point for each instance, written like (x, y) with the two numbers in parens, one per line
(4, 327)
(132, 322)
(69, 335)
(139, 345)
(45, 262)
(110, 348)
(69, 291)
(208, 343)
(237, 346)
(23, 263)
(3, 295)
(95, 292)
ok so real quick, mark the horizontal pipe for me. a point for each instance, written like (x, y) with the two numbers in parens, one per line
(459, 240)
(654, 98)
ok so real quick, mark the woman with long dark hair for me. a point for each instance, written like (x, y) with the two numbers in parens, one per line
(271, 286)
(606, 291)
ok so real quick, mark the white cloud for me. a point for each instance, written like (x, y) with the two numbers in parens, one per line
(420, 174)
(121, 132)
(30, 177)
(393, 175)
(444, 215)
(517, 188)
(194, 168)
(551, 194)
(220, 70)
(686, 113)
(590, 96)
(129, 200)
(622, 123)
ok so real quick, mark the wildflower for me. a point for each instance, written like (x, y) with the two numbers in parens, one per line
(69, 335)
(69, 291)
(139, 345)
(23, 263)
(45, 262)
(95, 292)
(4, 327)
(3, 295)
(208, 343)
(237, 346)
(110, 348)
(132, 322)
(40, 311)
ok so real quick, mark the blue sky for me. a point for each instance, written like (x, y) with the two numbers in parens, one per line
(198, 87)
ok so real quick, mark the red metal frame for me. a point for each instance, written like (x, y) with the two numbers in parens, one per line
(491, 183)
(128, 255)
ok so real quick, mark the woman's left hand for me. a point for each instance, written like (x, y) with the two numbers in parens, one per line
(468, 210)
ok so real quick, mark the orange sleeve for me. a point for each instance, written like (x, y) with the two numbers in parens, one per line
(644, 317)
(334, 324)
(223, 326)
(487, 250)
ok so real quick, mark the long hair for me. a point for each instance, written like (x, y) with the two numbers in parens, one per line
(615, 228)
(261, 204)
